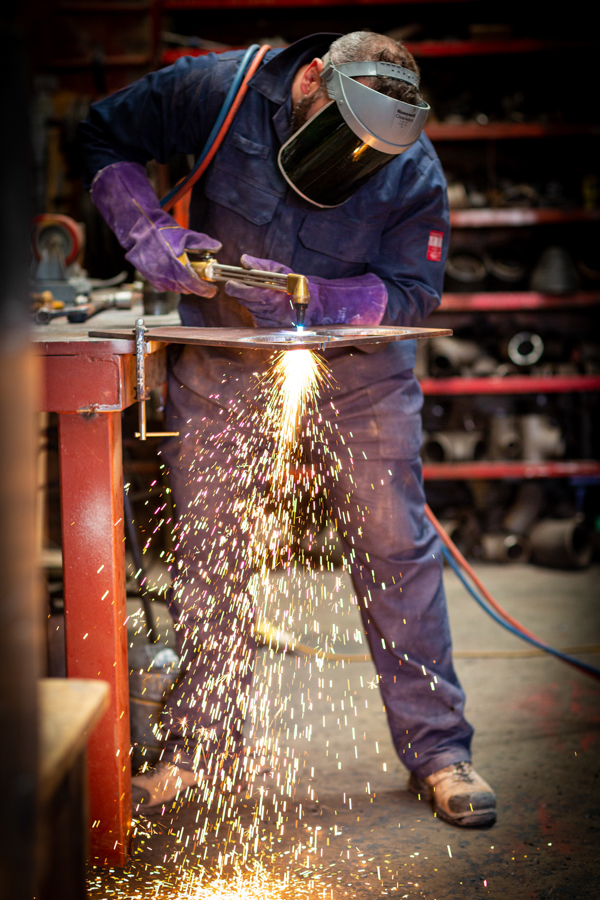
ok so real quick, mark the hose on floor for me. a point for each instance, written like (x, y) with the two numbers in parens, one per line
(277, 640)
(456, 561)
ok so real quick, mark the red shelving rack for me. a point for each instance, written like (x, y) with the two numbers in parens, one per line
(113, 61)
(480, 470)
(510, 384)
(489, 47)
(518, 217)
(266, 4)
(516, 301)
(499, 131)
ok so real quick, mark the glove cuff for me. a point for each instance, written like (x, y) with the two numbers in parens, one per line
(123, 194)
(347, 301)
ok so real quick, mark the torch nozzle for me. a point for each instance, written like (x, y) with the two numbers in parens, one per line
(300, 314)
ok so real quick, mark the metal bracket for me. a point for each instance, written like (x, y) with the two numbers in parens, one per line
(142, 391)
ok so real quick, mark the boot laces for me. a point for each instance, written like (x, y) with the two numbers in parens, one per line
(462, 771)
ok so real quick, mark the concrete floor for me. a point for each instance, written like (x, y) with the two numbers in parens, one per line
(359, 832)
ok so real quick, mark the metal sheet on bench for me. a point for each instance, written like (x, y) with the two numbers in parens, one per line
(319, 337)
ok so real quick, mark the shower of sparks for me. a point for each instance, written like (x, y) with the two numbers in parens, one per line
(293, 384)
(261, 475)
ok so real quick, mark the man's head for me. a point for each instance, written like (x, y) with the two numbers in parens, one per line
(309, 93)
(354, 112)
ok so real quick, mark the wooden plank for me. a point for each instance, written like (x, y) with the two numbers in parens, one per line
(68, 711)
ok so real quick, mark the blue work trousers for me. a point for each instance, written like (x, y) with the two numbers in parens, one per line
(396, 568)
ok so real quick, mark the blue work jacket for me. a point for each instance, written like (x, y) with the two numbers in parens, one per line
(392, 226)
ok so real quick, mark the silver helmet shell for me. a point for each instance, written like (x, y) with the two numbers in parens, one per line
(388, 125)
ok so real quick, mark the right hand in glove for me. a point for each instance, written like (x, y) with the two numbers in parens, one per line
(155, 243)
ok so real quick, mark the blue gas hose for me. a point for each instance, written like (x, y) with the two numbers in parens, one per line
(227, 104)
(583, 667)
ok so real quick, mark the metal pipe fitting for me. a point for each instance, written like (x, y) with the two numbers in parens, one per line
(448, 356)
(525, 348)
(501, 547)
(525, 509)
(542, 439)
(561, 543)
(505, 437)
(454, 446)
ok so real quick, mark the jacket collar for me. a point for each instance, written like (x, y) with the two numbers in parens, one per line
(274, 78)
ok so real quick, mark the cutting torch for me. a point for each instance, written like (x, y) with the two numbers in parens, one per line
(296, 285)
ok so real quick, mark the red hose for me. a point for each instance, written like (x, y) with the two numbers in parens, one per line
(188, 185)
(451, 546)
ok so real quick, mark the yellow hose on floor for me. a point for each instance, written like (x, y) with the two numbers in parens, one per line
(281, 641)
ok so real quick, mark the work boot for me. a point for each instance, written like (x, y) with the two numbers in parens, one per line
(459, 795)
(161, 785)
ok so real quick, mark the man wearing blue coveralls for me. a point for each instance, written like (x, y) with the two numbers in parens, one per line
(324, 171)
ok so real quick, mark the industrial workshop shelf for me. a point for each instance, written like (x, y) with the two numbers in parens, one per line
(300, 4)
(484, 470)
(510, 384)
(516, 301)
(116, 61)
(526, 310)
(499, 131)
(104, 6)
(517, 217)
(509, 46)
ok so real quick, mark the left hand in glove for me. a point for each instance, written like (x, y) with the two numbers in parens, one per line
(360, 300)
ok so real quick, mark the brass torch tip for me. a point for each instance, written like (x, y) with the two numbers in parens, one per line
(297, 286)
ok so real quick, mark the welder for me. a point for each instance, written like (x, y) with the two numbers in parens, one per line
(325, 171)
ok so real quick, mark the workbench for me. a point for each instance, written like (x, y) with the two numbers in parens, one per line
(88, 382)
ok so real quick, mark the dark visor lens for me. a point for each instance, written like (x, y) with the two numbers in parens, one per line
(326, 162)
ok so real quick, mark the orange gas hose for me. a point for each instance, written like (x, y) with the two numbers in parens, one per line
(188, 185)
(453, 549)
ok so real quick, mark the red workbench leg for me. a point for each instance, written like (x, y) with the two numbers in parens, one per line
(91, 476)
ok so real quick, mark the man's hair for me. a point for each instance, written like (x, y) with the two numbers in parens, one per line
(360, 46)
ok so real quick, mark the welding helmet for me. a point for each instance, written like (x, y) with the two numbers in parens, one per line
(352, 138)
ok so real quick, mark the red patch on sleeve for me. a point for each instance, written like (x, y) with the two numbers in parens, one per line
(434, 246)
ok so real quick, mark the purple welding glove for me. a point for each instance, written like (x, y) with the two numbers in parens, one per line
(155, 243)
(341, 301)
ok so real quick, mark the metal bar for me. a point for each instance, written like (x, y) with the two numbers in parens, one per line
(258, 273)
(95, 612)
(141, 389)
(139, 565)
(140, 376)
(252, 282)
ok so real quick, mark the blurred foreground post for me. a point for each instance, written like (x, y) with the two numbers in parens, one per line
(20, 614)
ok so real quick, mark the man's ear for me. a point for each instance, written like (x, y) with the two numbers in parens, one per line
(311, 79)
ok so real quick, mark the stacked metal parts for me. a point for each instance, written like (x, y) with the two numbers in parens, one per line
(548, 521)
